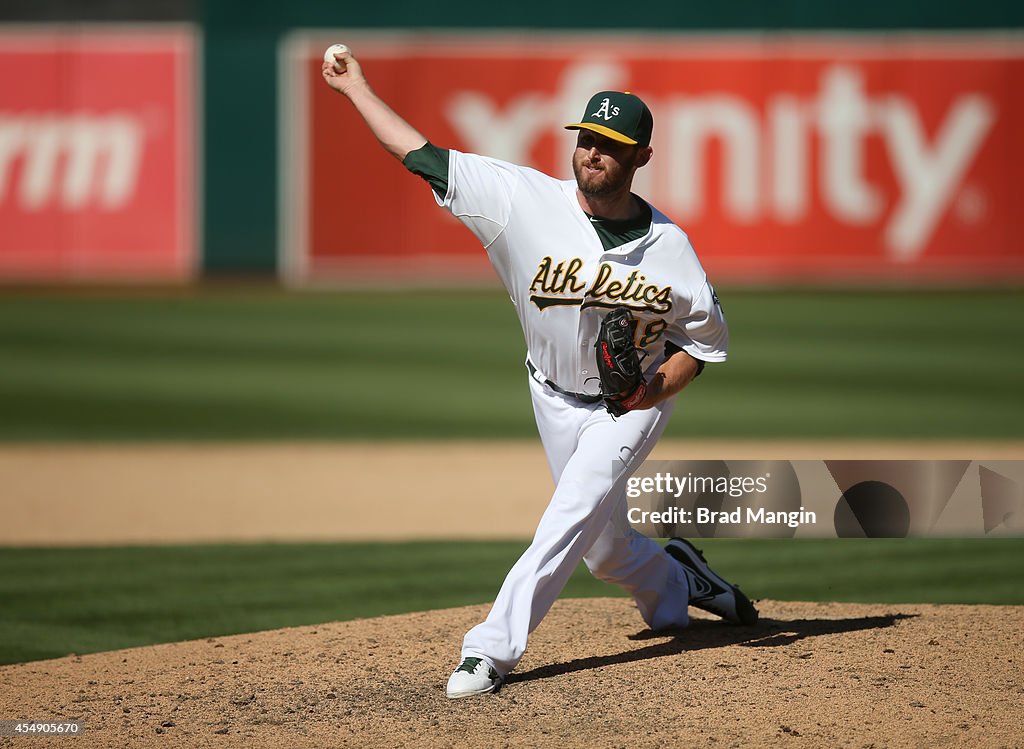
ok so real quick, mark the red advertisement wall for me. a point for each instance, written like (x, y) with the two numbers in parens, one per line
(97, 153)
(808, 158)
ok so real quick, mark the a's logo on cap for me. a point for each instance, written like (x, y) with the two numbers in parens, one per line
(606, 110)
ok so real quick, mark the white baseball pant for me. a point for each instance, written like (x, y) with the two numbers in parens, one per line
(591, 456)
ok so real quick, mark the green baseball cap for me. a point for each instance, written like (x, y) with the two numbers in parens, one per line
(618, 115)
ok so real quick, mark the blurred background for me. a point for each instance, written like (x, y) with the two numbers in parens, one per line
(203, 256)
(171, 173)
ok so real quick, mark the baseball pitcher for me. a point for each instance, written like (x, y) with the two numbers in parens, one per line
(618, 317)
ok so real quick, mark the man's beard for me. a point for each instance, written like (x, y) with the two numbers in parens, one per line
(602, 183)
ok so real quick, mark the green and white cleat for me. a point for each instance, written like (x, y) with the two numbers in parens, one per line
(473, 676)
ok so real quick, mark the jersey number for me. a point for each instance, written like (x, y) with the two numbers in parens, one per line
(651, 332)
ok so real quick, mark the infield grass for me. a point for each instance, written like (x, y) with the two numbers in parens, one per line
(58, 601)
(267, 364)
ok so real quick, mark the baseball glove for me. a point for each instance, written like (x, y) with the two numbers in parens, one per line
(618, 363)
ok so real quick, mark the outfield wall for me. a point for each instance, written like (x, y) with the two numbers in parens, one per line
(873, 151)
(98, 152)
(786, 158)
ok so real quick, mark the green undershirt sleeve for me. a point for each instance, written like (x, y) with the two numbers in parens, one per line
(430, 163)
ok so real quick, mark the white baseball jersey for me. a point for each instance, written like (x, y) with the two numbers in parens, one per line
(562, 281)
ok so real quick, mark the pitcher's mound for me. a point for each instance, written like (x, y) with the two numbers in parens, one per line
(897, 675)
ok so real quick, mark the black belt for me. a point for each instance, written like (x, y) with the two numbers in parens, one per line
(582, 397)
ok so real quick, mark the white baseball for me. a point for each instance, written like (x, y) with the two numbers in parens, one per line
(329, 54)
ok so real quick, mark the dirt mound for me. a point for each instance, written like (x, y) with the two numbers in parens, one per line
(898, 675)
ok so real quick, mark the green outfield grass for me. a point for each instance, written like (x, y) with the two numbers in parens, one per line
(265, 364)
(58, 601)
